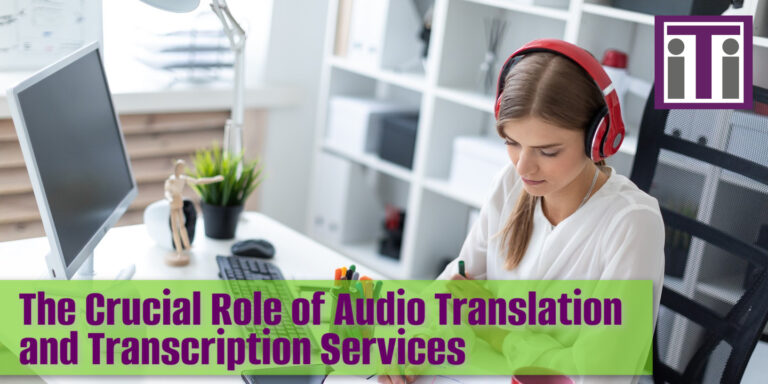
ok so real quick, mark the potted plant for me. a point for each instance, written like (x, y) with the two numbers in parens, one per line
(223, 202)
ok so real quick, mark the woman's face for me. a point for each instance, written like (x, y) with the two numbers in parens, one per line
(547, 157)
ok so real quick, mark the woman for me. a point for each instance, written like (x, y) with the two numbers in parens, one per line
(557, 212)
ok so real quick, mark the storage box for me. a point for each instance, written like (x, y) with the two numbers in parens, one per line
(476, 162)
(366, 32)
(345, 209)
(353, 123)
(384, 33)
(397, 140)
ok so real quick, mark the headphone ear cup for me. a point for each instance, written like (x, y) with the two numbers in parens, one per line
(595, 135)
(612, 141)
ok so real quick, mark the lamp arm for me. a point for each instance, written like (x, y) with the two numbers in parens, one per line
(235, 33)
(233, 130)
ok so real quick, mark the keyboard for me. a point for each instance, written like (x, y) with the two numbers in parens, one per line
(250, 268)
(247, 268)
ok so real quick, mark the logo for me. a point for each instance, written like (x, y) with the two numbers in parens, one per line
(703, 62)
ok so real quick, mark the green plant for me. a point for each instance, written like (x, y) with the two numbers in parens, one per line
(234, 190)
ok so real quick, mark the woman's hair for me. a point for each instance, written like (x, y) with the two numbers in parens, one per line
(550, 87)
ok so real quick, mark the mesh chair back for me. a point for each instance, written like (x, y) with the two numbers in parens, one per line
(709, 171)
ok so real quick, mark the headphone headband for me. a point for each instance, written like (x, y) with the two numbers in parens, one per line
(608, 129)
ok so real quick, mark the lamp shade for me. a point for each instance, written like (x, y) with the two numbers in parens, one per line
(178, 6)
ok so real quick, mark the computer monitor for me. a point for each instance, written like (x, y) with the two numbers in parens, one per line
(75, 155)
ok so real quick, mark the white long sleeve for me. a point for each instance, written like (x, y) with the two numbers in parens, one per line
(617, 235)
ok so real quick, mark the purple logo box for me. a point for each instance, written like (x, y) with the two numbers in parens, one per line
(695, 42)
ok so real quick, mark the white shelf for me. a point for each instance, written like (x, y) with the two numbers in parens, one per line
(368, 256)
(412, 81)
(371, 161)
(674, 283)
(760, 41)
(467, 98)
(727, 289)
(536, 10)
(444, 188)
(619, 14)
(744, 181)
(679, 161)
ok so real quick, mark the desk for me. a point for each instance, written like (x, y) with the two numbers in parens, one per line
(298, 256)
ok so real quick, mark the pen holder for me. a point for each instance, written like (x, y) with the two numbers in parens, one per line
(347, 287)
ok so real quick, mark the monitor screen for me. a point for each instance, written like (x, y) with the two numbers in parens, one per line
(75, 137)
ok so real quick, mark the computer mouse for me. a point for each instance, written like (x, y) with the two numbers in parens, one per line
(254, 248)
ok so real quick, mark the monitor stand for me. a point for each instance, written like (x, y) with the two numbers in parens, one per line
(86, 271)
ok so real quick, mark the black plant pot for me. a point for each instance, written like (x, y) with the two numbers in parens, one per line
(220, 222)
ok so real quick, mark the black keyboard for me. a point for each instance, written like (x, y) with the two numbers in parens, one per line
(249, 268)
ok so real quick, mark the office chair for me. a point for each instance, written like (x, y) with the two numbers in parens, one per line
(709, 171)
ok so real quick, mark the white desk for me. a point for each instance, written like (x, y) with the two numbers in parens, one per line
(297, 256)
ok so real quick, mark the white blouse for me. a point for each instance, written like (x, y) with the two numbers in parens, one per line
(618, 234)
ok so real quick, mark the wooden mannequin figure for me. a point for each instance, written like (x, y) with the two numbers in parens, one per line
(174, 186)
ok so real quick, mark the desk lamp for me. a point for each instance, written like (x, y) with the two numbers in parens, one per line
(233, 130)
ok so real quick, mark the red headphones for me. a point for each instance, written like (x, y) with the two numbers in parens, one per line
(606, 131)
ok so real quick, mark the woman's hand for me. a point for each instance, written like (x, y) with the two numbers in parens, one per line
(458, 277)
(468, 289)
(493, 335)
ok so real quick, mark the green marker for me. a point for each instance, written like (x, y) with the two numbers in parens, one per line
(461, 268)
(377, 290)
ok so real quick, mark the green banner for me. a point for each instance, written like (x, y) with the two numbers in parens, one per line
(350, 327)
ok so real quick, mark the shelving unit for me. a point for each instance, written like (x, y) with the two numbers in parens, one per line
(452, 104)
(470, 99)
(413, 82)
(372, 162)
(444, 188)
(618, 14)
(367, 256)
(531, 9)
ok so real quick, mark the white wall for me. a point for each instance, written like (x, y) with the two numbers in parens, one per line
(131, 30)
(294, 59)
(285, 42)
